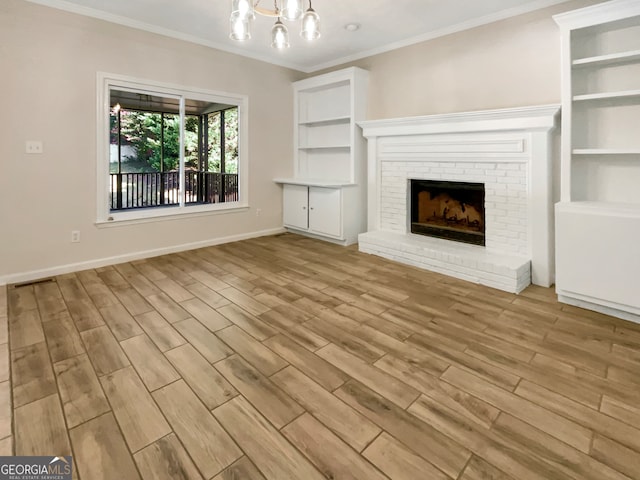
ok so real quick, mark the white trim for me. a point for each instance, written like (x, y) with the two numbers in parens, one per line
(162, 215)
(102, 262)
(342, 76)
(105, 82)
(128, 22)
(505, 119)
(611, 309)
(183, 123)
(344, 242)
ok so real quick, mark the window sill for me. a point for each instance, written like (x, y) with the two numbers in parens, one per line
(153, 215)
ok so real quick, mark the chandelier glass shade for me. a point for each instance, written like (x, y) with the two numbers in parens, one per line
(240, 29)
(243, 12)
(292, 9)
(242, 9)
(310, 25)
(279, 35)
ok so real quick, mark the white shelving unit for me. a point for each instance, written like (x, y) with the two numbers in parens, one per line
(326, 197)
(598, 218)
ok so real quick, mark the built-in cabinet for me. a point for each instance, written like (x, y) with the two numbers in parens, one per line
(598, 218)
(326, 197)
(313, 209)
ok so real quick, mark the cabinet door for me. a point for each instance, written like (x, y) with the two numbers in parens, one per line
(325, 211)
(295, 200)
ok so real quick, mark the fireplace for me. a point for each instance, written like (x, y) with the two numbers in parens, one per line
(450, 210)
(507, 151)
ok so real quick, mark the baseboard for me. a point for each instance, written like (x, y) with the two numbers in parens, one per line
(344, 242)
(588, 305)
(102, 262)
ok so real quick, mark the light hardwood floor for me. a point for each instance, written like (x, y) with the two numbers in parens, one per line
(288, 358)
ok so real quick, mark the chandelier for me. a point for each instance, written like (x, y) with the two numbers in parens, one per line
(244, 11)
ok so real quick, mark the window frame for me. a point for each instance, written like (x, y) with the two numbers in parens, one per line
(105, 83)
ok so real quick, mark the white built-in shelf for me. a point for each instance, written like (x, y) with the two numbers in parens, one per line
(325, 121)
(610, 59)
(598, 217)
(324, 147)
(606, 151)
(607, 95)
(314, 182)
(325, 197)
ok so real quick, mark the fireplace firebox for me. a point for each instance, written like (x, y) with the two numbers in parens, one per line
(450, 210)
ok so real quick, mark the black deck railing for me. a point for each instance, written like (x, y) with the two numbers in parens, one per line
(156, 189)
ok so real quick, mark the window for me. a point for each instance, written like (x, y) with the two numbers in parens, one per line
(167, 150)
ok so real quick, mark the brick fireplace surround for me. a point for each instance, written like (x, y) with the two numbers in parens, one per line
(508, 150)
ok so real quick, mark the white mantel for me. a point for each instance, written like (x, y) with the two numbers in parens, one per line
(509, 150)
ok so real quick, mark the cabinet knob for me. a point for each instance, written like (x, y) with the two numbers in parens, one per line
(304, 208)
(310, 208)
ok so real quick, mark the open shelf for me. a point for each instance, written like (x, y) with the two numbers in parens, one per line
(314, 182)
(606, 151)
(324, 103)
(326, 121)
(606, 96)
(610, 59)
(324, 147)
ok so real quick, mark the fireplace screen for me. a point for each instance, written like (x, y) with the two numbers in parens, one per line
(451, 210)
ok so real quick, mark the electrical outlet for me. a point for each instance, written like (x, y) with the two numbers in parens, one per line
(258, 212)
(33, 147)
(75, 236)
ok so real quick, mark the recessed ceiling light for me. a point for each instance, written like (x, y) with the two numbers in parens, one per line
(352, 27)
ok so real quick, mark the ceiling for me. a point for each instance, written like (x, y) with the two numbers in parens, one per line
(384, 24)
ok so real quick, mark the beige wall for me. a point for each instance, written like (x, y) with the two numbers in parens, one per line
(510, 63)
(48, 65)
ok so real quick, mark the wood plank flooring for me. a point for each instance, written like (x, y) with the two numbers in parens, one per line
(287, 358)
